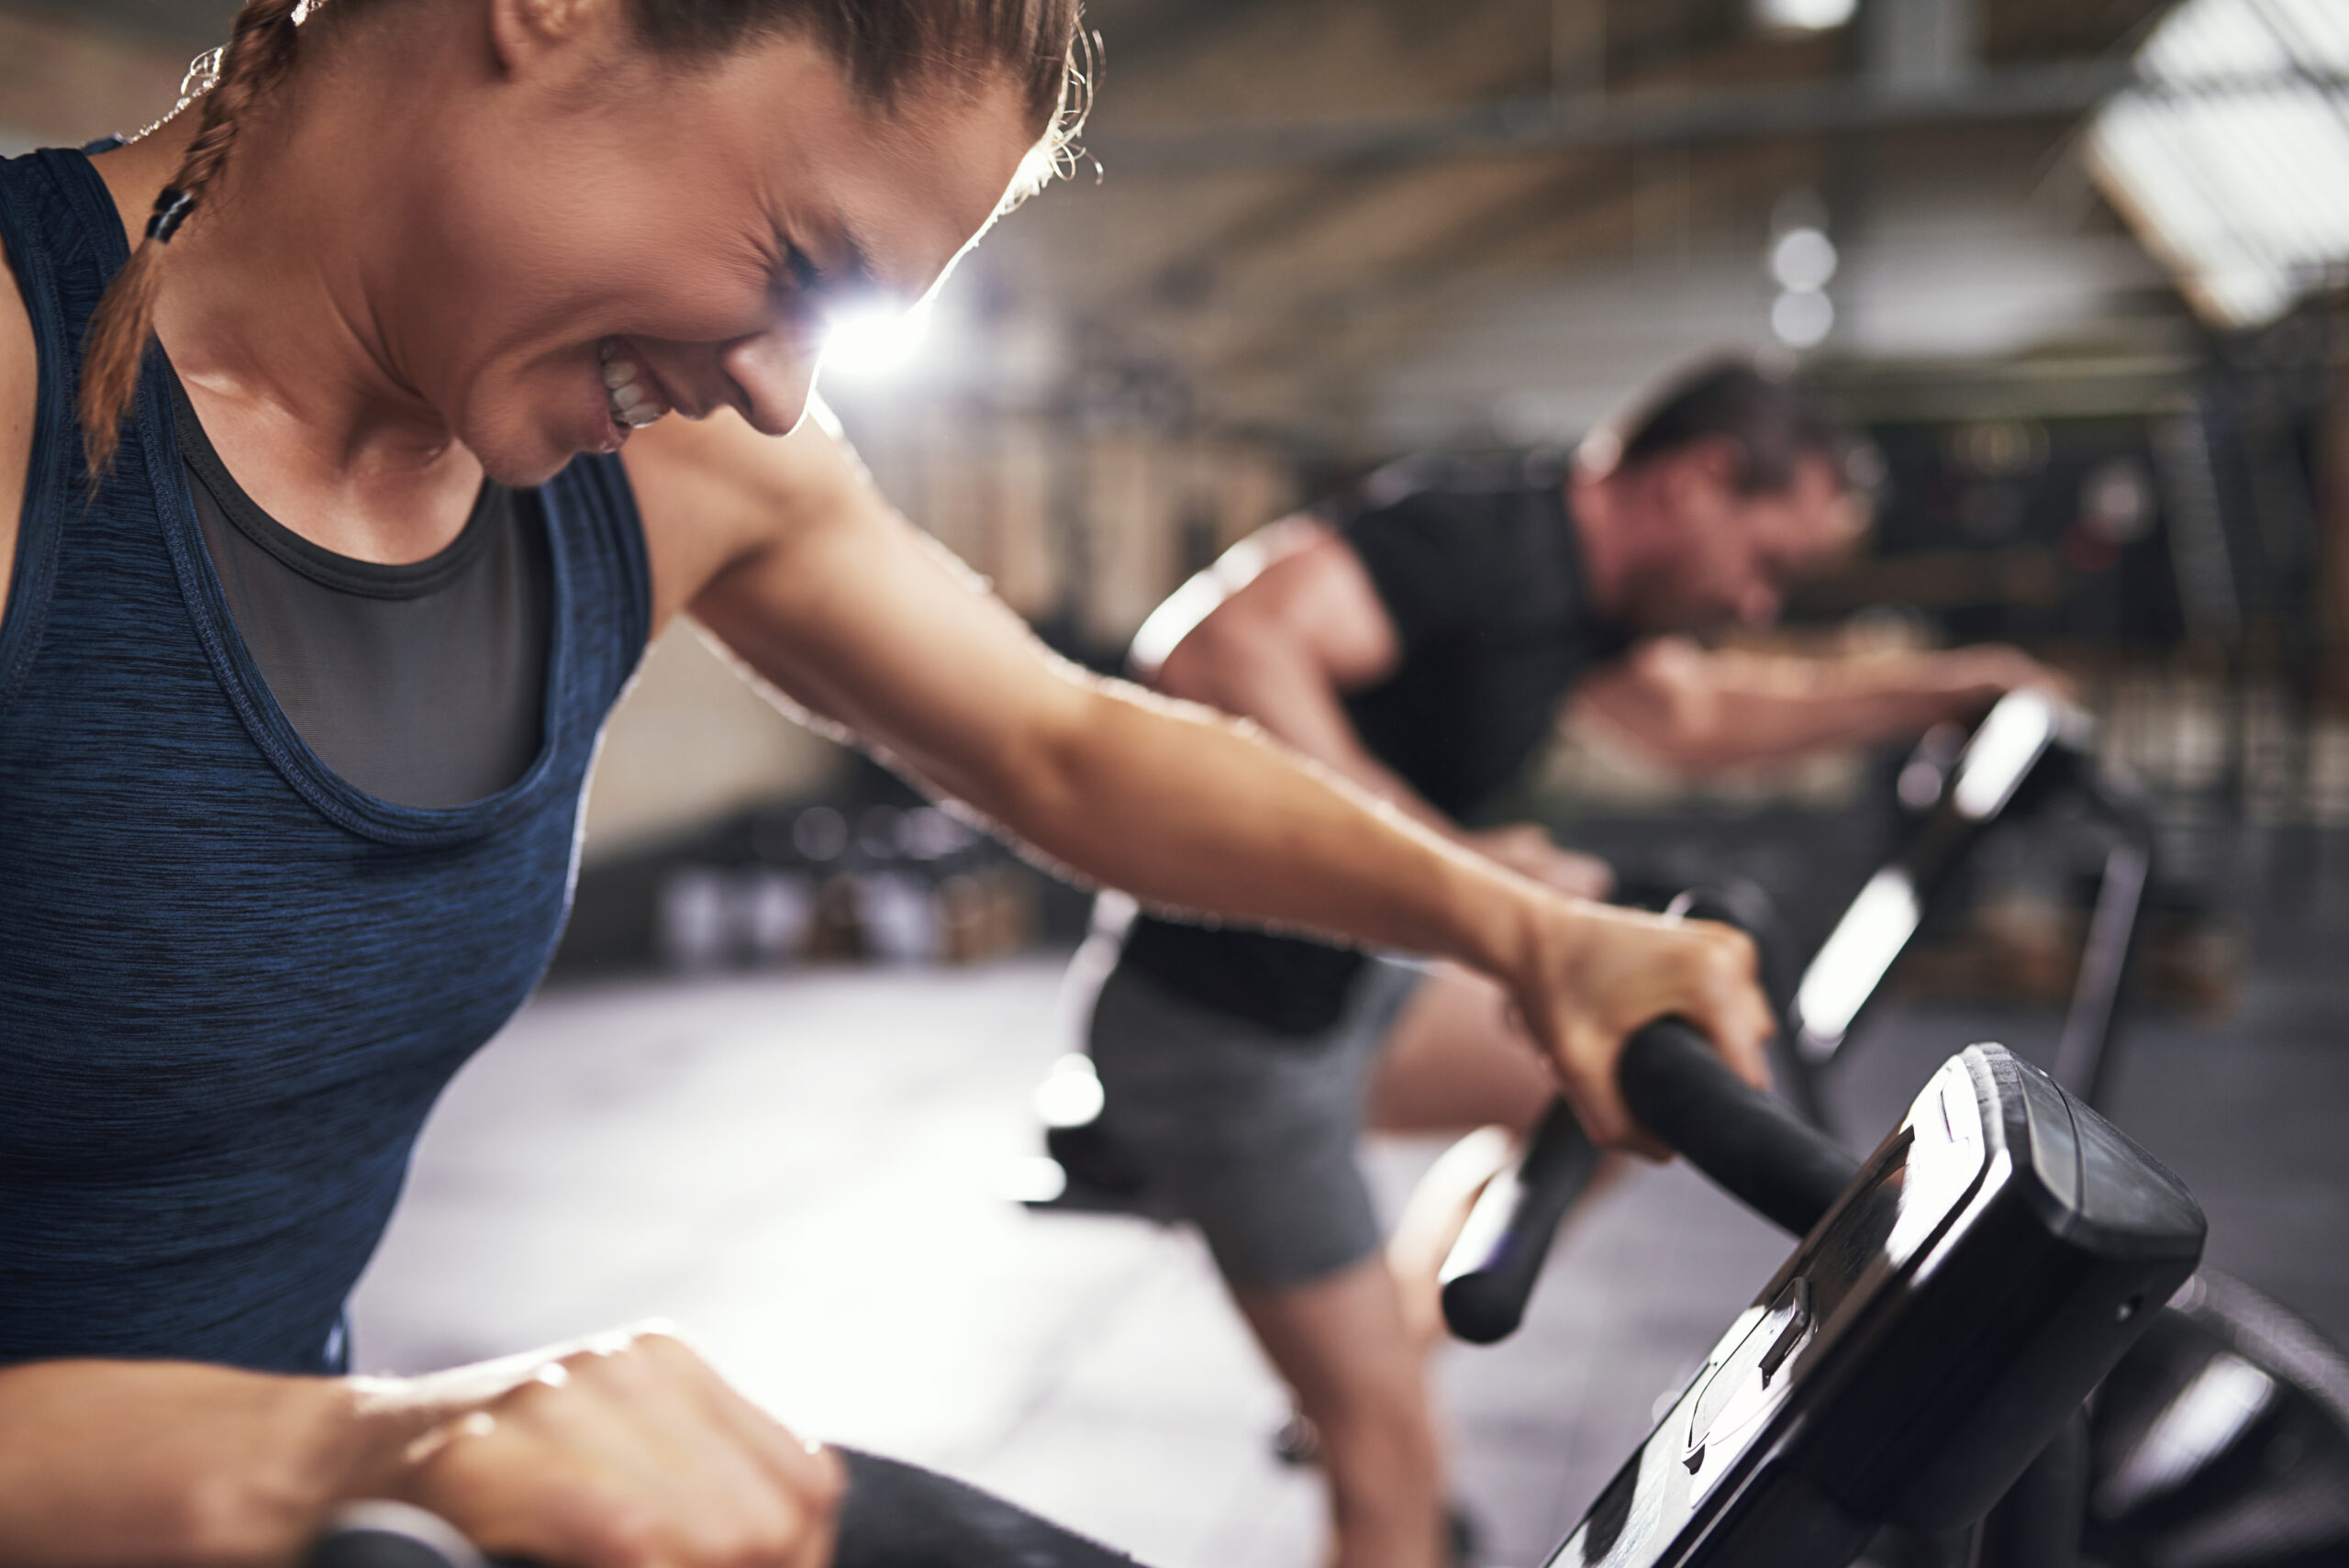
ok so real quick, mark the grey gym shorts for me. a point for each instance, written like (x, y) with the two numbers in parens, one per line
(1250, 1132)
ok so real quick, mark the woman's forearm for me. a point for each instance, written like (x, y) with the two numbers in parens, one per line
(624, 1445)
(1186, 808)
(135, 1462)
(107, 1462)
(1183, 807)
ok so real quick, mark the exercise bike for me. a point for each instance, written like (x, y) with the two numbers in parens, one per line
(1920, 1360)
(1918, 1356)
(2223, 1441)
(2218, 1441)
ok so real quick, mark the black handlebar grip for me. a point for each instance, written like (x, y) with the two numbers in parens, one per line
(894, 1516)
(1750, 1146)
(899, 1515)
(389, 1535)
(1489, 1274)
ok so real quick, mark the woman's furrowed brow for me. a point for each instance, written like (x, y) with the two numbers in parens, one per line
(854, 274)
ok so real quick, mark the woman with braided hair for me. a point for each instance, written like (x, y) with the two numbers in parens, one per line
(351, 501)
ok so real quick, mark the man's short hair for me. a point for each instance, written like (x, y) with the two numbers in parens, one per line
(1774, 424)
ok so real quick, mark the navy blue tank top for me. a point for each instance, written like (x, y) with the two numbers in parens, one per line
(231, 985)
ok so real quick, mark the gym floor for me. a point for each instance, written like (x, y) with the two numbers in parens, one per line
(806, 1172)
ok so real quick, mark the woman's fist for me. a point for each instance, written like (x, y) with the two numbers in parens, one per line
(627, 1452)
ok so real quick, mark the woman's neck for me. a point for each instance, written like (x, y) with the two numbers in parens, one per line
(270, 316)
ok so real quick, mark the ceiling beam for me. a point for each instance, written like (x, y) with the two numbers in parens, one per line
(176, 23)
(1539, 125)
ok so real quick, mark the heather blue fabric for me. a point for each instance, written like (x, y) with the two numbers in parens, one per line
(230, 984)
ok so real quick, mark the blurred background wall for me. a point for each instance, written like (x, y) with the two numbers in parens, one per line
(2077, 266)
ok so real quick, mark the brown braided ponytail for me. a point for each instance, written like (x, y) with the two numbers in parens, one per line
(258, 56)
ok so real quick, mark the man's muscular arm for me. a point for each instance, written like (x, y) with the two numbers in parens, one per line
(1283, 648)
(1696, 709)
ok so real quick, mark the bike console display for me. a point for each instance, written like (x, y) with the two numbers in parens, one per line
(1988, 1265)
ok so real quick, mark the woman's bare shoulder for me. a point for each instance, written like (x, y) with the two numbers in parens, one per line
(714, 491)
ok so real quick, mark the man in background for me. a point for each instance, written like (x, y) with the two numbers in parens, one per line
(1422, 644)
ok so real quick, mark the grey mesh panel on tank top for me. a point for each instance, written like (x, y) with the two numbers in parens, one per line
(423, 683)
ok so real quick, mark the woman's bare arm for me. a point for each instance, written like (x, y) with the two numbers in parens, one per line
(623, 1449)
(845, 608)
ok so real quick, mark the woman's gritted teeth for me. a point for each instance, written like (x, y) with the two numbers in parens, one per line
(627, 389)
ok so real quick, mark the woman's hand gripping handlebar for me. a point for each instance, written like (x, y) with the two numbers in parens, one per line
(626, 1447)
(1750, 1145)
(1592, 976)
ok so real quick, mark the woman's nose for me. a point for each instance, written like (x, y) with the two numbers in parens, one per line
(772, 374)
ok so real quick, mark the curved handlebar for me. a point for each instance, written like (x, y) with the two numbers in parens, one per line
(1488, 1276)
(1750, 1145)
(894, 1516)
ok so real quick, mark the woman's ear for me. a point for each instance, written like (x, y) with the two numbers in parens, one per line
(524, 35)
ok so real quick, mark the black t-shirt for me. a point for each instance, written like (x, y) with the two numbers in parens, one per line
(1483, 578)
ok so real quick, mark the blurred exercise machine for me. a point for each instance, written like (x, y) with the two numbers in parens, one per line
(1920, 1360)
(894, 1516)
(2030, 750)
(1921, 1356)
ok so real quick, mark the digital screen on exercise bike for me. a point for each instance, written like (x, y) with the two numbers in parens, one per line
(1902, 1202)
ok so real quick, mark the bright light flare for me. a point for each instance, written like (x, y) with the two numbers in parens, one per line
(875, 337)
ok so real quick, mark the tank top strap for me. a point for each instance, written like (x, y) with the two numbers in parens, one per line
(65, 243)
(592, 501)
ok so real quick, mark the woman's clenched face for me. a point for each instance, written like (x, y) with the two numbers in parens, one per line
(607, 235)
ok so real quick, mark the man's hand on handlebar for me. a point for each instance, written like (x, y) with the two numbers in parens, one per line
(1989, 671)
(1598, 973)
(629, 1450)
(1528, 851)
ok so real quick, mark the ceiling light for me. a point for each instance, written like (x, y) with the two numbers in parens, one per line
(1803, 260)
(1802, 318)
